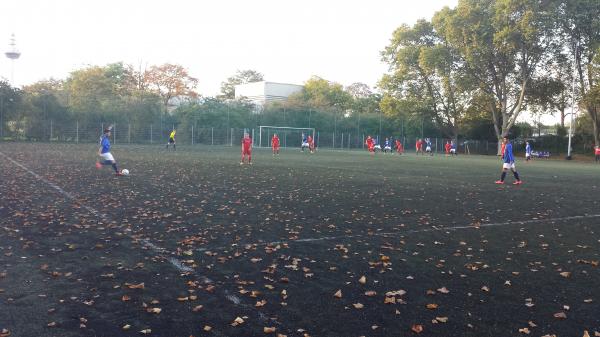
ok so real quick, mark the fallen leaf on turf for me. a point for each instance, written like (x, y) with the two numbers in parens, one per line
(370, 293)
(443, 290)
(260, 303)
(596, 334)
(442, 319)
(207, 328)
(154, 310)
(485, 288)
(269, 329)
(4, 333)
(125, 298)
(338, 294)
(560, 315)
(432, 306)
(389, 300)
(565, 274)
(135, 286)
(586, 333)
(146, 331)
(417, 328)
(525, 331)
(362, 280)
(237, 321)
(183, 299)
(358, 305)
(531, 324)
(126, 327)
(197, 308)
(51, 324)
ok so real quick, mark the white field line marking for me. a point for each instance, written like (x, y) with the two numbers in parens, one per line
(178, 264)
(413, 231)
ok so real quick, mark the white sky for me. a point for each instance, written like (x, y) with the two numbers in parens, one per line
(286, 40)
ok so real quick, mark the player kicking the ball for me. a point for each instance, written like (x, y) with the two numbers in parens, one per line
(104, 152)
(508, 163)
(275, 144)
(246, 149)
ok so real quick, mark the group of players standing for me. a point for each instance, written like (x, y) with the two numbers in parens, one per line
(373, 146)
(508, 160)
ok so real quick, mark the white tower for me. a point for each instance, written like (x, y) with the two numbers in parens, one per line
(12, 54)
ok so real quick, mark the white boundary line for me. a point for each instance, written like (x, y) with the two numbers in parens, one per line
(413, 231)
(178, 264)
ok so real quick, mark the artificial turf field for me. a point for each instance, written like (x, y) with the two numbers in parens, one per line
(191, 240)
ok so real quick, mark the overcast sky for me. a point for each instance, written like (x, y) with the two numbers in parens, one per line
(286, 40)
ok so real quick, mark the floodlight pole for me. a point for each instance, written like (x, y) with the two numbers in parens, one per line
(569, 157)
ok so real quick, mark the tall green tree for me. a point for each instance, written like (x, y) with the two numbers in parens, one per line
(424, 73)
(241, 77)
(580, 24)
(501, 44)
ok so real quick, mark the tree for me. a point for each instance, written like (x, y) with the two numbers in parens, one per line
(580, 25)
(170, 81)
(501, 44)
(241, 77)
(424, 72)
(10, 100)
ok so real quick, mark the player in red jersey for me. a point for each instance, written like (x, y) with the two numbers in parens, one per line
(311, 144)
(246, 148)
(447, 148)
(419, 146)
(275, 144)
(399, 147)
(370, 144)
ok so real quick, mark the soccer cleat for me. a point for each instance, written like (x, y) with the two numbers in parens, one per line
(241, 163)
(98, 165)
(118, 174)
(499, 182)
(518, 182)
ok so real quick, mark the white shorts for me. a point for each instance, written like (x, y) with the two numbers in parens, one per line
(304, 144)
(452, 150)
(378, 147)
(508, 166)
(428, 149)
(527, 155)
(107, 156)
(388, 148)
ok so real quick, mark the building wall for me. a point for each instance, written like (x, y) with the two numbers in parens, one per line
(263, 92)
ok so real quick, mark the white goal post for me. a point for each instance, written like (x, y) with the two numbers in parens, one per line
(288, 136)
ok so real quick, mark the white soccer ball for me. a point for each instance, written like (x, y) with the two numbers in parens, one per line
(125, 172)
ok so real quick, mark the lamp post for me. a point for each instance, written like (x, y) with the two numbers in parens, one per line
(569, 156)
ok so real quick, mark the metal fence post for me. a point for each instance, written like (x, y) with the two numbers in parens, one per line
(129, 133)
(50, 130)
(115, 133)
(150, 133)
(231, 140)
(77, 133)
(212, 136)
(192, 135)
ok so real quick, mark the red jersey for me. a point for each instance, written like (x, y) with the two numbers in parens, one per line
(502, 149)
(447, 147)
(369, 142)
(419, 144)
(275, 141)
(597, 151)
(247, 143)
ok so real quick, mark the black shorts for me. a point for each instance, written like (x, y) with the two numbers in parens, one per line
(171, 140)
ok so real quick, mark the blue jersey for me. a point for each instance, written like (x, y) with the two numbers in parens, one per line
(387, 143)
(428, 143)
(453, 145)
(105, 143)
(304, 140)
(528, 149)
(508, 154)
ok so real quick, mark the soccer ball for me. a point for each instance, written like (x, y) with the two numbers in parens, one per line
(125, 172)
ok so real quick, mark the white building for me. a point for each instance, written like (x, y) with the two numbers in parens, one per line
(264, 92)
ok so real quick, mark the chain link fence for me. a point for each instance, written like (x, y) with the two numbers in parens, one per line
(158, 133)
